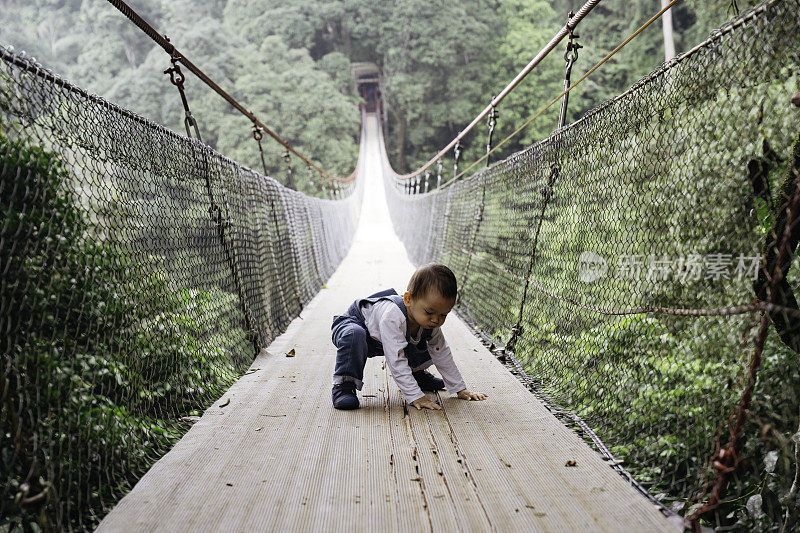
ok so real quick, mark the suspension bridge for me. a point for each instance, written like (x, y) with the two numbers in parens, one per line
(278, 457)
(627, 300)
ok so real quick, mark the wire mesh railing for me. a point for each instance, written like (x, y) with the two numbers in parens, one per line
(638, 264)
(141, 274)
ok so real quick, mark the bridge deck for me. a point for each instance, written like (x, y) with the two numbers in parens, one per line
(279, 457)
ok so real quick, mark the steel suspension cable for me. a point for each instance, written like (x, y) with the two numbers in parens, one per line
(567, 90)
(563, 32)
(177, 56)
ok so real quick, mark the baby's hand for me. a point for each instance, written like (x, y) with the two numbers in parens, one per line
(467, 395)
(419, 403)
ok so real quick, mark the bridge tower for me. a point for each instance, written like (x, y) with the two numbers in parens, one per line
(368, 81)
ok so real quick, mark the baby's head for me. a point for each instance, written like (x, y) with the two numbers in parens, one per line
(431, 295)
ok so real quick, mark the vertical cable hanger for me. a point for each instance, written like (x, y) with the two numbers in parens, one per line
(287, 157)
(177, 78)
(258, 134)
(457, 154)
(570, 56)
(491, 121)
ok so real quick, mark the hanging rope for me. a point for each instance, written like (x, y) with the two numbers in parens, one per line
(726, 460)
(456, 156)
(219, 216)
(287, 158)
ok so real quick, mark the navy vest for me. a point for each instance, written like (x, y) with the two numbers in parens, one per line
(417, 354)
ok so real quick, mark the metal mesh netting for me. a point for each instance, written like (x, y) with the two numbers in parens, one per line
(609, 259)
(141, 273)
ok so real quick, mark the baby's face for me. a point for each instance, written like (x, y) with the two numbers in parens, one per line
(429, 310)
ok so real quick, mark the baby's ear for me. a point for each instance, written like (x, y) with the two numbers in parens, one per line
(406, 297)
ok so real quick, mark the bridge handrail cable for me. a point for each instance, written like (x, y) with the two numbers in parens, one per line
(565, 91)
(567, 29)
(178, 57)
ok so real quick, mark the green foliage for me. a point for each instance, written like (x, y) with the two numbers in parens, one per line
(663, 172)
(289, 63)
(105, 358)
(95, 46)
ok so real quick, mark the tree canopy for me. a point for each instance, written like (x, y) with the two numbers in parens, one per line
(289, 62)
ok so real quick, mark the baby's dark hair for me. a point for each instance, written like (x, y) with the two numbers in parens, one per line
(436, 277)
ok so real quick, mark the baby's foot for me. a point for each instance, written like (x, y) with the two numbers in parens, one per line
(344, 396)
(427, 381)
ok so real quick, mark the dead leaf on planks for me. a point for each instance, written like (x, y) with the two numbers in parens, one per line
(290, 353)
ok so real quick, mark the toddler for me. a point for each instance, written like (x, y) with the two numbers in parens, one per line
(406, 330)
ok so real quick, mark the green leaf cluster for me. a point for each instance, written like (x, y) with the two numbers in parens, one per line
(106, 356)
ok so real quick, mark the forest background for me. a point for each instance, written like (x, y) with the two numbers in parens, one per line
(289, 62)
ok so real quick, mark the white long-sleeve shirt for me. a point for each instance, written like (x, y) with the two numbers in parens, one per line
(387, 325)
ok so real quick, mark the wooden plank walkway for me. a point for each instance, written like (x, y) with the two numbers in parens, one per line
(278, 457)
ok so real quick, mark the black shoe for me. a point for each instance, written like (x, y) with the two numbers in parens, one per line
(344, 395)
(427, 381)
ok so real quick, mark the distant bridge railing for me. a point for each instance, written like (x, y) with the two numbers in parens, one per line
(640, 265)
(141, 274)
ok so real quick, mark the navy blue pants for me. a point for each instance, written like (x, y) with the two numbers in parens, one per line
(353, 347)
